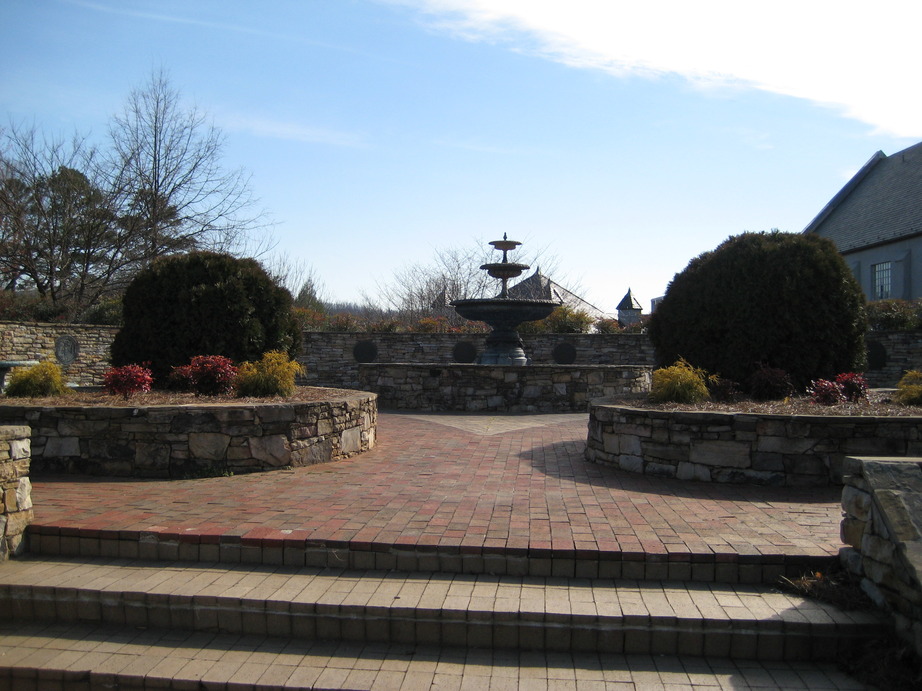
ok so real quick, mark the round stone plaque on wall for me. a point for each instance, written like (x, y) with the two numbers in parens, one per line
(66, 349)
(365, 351)
(564, 353)
(464, 352)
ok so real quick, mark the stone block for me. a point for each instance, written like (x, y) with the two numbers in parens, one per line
(877, 549)
(351, 441)
(272, 450)
(632, 464)
(767, 461)
(851, 531)
(20, 448)
(665, 452)
(693, 471)
(784, 445)
(727, 454)
(211, 446)
(660, 469)
(149, 456)
(58, 447)
(856, 503)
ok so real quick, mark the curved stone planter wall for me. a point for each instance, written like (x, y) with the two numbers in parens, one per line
(882, 524)
(743, 447)
(191, 440)
(15, 490)
(533, 388)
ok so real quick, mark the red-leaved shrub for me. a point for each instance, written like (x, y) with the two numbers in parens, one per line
(853, 386)
(206, 375)
(825, 392)
(127, 380)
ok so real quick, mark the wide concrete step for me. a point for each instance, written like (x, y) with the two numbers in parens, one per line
(729, 567)
(68, 657)
(516, 613)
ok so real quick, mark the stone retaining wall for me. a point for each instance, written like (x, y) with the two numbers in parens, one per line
(333, 359)
(81, 350)
(191, 441)
(882, 501)
(534, 388)
(15, 489)
(330, 358)
(743, 447)
(891, 354)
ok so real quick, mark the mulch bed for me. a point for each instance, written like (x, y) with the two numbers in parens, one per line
(172, 398)
(878, 403)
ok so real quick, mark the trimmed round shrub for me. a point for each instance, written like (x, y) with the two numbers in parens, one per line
(778, 300)
(273, 375)
(203, 302)
(680, 383)
(43, 379)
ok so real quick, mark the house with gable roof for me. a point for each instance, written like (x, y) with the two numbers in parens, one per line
(540, 287)
(875, 221)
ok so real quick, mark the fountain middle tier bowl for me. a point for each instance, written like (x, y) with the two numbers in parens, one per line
(505, 312)
(504, 269)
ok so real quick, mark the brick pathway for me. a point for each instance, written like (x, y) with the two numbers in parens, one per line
(471, 481)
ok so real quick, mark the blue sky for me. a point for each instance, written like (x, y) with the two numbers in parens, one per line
(620, 140)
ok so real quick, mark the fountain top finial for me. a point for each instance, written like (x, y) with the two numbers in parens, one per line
(505, 245)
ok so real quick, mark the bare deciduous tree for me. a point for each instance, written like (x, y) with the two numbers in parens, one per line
(76, 223)
(165, 165)
(421, 290)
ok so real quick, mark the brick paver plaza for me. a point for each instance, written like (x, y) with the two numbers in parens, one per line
(515, 482)
(504, 487)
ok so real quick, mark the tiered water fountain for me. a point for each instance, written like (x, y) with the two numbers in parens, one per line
(504, 314)
(497, 379)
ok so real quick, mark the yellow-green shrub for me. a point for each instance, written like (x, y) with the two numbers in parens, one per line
(680, 383)
(909, 388)
(273, 375)
(43, 379)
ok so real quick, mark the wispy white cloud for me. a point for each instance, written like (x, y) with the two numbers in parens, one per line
(170, 18)
(186, 19)
(855, 57)
(289, 131)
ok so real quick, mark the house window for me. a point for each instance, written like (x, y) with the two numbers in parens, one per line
(881, 275)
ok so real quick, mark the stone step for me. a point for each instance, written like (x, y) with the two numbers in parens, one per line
(525, 613)
(729, 567)
(68, 657)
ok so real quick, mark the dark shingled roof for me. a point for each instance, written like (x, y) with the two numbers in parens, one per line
(881, 203)
(540, 287)
(629, 302)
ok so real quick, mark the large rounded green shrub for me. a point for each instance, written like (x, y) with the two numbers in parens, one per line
(203, 303)
(760, 300)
